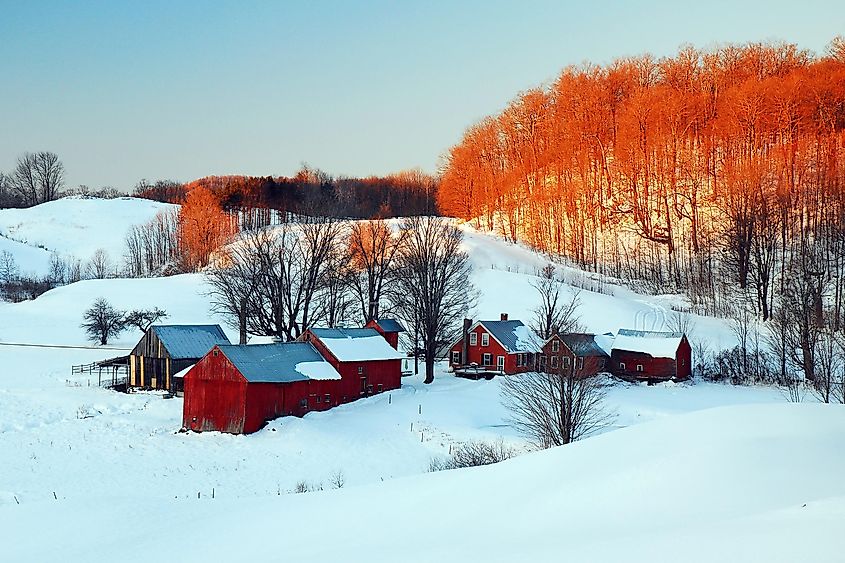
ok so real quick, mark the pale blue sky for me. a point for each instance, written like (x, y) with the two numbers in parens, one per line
(182, 89)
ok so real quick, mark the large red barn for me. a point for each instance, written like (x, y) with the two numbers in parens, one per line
(237, 389)
(650, 356)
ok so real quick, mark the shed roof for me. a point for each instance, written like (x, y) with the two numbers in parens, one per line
(189, 341)
(390, 325)
(281, 362)
(582, 344)
(655, 344)
(513, 335)
(356, 344)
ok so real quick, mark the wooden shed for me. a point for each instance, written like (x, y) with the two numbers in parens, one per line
(650, 356)
(165, 350)
(238, 388)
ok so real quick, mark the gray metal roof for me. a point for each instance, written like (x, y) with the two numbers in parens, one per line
(390, 325)
(582, 344)
(345, 332)
(649, 333)
(513, 335)
(273, 363)
(189, 341)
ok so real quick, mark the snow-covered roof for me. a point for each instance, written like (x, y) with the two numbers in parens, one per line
(356, 344)
(514, 336)
(189, 341)
(655, 344)
(281, 362)
(390, 325)
(582, 344)
(181, 374)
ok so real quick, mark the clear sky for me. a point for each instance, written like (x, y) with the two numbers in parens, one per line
(181, 89)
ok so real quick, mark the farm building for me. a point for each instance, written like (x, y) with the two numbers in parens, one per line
(650, 356)
(389, 329)
(237, 388)
(495, 347)
(573, 353)
(365, 359)
(165, 350)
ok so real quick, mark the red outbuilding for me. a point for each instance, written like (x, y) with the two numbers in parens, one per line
(576, 353)
(650, 356)
(237, 389)
(366, 361)
(502, 347)
(389, 329)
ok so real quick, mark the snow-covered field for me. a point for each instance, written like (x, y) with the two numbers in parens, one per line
(692, 472)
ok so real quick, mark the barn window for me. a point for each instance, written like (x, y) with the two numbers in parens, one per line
(303, 404)
(456, 357)
(473, 339)
(485, 339)
(555, 345)
(488, 359)
(319, 399)
(554, 361)
(328, 398)
(380, 387)
(216, 352)
(639, 367)
(360, 370)
(565, 361)
(621, 365)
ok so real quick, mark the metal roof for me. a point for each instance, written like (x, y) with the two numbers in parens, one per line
(390, 325)
(582, 344)
(513, 335)
(189, 341)
(356, 344)
(322, 333)
(278, 362)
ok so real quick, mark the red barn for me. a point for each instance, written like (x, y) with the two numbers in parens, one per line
(497, 347)
(573, 353)
(389, 329)
(237, 389)
(366, 361)
(650, 356)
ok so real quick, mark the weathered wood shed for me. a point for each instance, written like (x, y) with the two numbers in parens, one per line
(165, 350)
(237, 388)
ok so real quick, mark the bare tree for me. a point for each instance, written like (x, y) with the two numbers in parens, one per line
(37, 177)
(373, 248)
(101, 321)
(142, 319)
(433, 291)
(555, 313)
(8, 267)
(554, 408)
(99, 266)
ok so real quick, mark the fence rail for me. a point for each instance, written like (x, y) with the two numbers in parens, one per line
(107, 377)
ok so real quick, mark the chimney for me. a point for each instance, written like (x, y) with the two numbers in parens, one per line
(504, 316)
(465, 335)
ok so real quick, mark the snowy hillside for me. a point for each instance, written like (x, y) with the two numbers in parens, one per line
(682, 464)
(72, 227)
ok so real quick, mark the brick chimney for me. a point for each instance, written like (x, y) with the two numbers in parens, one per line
(504, 316)
(465, 346)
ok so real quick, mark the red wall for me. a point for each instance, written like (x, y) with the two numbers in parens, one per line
(388, 373)
(475, 354)
(215, 396)
(592, 364)
(653, 368)
(391, 337)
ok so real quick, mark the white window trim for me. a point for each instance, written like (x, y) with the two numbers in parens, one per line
(456, 355)
(487, 359)
(473, 339)
(555, 345)
(500, 362)
(485, 339)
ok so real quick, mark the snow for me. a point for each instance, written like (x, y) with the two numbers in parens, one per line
(526, 339)
(317, 370)
(687, 472)
(361, 349)
(655, 345)
(181, 374)
(75, 227)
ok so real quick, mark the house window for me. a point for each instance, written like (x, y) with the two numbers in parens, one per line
(639, 367)
(566, 361)
(487, 359)
(554, 361)
(473, 339)
(555, 345)
(456, 357)
(581, 362)
(519, 360)
(622, 365)
(543, 361)
(500, 362)
(485, 339)
(360, 370)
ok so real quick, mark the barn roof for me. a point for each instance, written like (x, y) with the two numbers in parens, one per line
(281, 362)
(655, 344)
(189, 341)
(390, 325)
(514, 336)
(582, 344)
(356, 344)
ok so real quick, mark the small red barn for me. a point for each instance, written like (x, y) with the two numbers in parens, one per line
(389, 329)
(650, 356)
(237, 388)
(575, 353)
(367, 363)
(502, 347)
